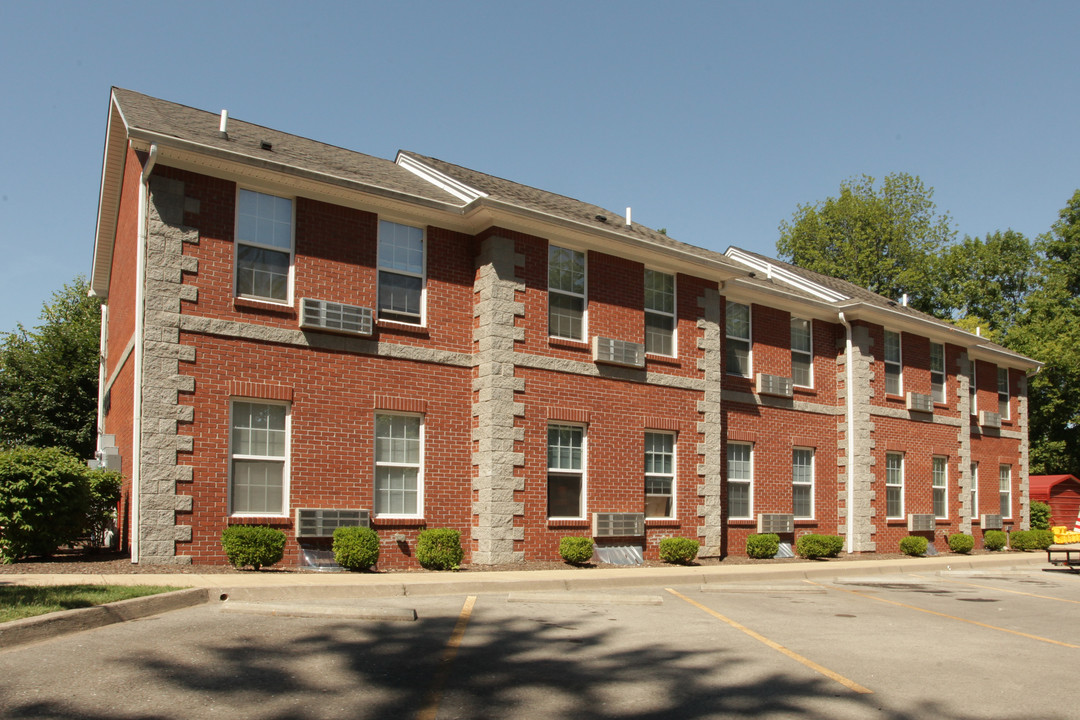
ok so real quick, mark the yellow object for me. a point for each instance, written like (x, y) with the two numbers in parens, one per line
(1064, 536)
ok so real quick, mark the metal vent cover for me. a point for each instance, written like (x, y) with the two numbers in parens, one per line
(618, 352)
(338, 317)
(618, 524)
(775, 523)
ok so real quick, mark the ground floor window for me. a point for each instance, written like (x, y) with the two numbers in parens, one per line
(802, 483)
(659, 474)
(894, 485)
(1005, 490)
(740, 478)
(566, 471)
(259, 449)
(398, 464)
(940, 482)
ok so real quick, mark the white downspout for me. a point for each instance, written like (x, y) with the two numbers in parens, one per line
(850, 400)
(140, 311)
(103, 352)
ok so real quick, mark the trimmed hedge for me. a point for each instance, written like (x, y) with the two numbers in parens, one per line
(763, 545)
(45, 501)
(439, 549)
(576, 550)
(679, 550)
(994, 539)
(355, 548)
(1031, 539)
(914, 545)
(961, 543)
(255, 545)
(819, 546)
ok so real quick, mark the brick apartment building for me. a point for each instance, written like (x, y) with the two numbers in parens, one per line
(292, 326)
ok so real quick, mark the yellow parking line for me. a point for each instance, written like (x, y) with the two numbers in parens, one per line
(850, 684)
(434, 696)
(1014, 592)
(951, 617)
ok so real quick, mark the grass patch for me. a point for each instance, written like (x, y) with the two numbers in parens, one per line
(23, 601)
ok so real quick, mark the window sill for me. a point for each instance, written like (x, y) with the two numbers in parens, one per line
(806, 391)
(662, 522)
(662, 359)
(806, 522)
(742, 522)
(260, 519)
(568, 343)
(403, 327)
(242, 303)
(385, 521)
(567, 522)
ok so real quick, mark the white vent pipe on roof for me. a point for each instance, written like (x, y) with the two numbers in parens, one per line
(223, 128)
(904, 299)
(627, 216)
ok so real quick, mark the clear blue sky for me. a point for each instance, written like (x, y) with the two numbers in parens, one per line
(712, 119)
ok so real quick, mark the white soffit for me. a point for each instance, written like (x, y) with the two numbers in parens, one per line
(456, 188)
(775, 272)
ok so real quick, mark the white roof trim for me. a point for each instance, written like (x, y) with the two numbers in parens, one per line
(455, 187)
(775, 272)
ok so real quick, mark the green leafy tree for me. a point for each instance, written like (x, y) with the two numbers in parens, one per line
(49, 376)
(887, 239)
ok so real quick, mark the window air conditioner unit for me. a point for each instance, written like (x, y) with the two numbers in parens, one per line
(990, 522)
(326, 315)
(776, 523)
(920, 402)
(618, 352)
(989, 419)
(773, 385)
(322, 522)
(920, 523)
(618, 524)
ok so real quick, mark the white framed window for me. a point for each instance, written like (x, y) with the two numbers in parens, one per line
(659, 475)
(973, 391)
(566, 471)
(399, 471)
(940, 481)
(401, 273)
(894, 366)
(1003, 392)
(264, 246)
(740, 476)
(566, 293)
(259, 452)
(802, 483)
(975, 491)
(894, 485)
(937, 372)
(802, 353)
(1005, 490)
(738, 339)
(659, 313)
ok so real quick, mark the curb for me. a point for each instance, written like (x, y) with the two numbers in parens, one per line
(44, 627)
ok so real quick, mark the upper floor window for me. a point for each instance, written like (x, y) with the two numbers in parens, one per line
(973, 391)
(894, 485)
(398, 465)
(802, 483)
(264, 246)
(566, 293)
(659, 474)
(259, 450)
(738, 339)
(1003, 392)
(659, 313)
(893, 364)
(940, 485)
(802, 353)
(937, 372)
(740, 475)
(401, 273)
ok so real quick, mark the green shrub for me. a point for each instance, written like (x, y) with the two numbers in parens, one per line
(576, 550)
(914, 545)
(44, 501)
(439, 549)
(961, 543)
(1041, 539)
(1019, 540)
(104, 495)
(819, 546)
(765, 545)
(255, 545)
(1040, 516)
(355, 548)
(679, 550)
(994, 539)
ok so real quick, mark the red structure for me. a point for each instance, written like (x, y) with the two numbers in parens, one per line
(295, 334)
(1062, 494)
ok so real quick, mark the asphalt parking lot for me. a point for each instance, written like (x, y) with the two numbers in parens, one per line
(954, 644)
